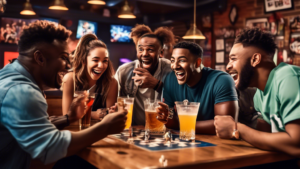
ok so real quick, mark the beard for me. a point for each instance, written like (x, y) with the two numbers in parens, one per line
(245, 76)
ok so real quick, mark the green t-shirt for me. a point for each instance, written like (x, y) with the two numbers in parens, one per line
(214, 87)
(279, 103)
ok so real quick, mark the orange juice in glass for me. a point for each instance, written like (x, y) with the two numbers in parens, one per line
(128, 105)
(187, 114)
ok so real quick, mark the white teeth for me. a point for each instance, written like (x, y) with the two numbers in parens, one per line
(232, 75)
(179, 73)
(98, 72)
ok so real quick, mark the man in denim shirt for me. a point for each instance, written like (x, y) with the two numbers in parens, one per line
(25, 129)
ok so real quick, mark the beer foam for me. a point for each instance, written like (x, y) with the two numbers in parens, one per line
(150, 111)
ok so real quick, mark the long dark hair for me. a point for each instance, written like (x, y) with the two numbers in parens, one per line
(87, 43)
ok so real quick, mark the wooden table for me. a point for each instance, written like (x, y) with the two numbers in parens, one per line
(113, 153)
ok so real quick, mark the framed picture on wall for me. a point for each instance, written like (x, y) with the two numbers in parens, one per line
(220, 44)
(278, 5)
(221, 67)
(261, 23)
(220, 57)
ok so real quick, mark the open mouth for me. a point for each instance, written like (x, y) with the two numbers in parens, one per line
(235, 77)
(97, 72)
(180, 75)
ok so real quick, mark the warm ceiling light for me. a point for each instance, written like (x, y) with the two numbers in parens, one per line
(27, 9)
(59, 5)
(96, 2)
(193, 32)
(126, 12)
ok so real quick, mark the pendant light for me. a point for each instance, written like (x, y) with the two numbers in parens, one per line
(96, 2)
(126, 12)
(27, 9)
(193, 32)
(59, 5)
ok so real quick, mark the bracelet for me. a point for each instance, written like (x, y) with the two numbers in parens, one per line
(155, 88)
(68, 122)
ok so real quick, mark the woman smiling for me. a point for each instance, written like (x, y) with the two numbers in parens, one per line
(91, 69)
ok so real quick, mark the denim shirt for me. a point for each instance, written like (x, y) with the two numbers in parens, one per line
(25, 130)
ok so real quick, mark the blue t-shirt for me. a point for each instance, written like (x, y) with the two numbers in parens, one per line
(214, 87)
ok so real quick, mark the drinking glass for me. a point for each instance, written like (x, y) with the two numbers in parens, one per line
(153, 126)
(127, 102)
(187, 113)
(85, 121)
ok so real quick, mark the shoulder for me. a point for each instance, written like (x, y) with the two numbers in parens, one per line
(25, 94)
(170, 78)
(217, 75)
(126, 67)
(165, 61)
(68, 77)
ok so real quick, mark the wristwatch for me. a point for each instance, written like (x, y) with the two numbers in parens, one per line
(235, 134)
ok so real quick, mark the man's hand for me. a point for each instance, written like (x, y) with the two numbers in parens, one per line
(162, 112)
(115, 122)
(113, 108)
(78, 107)
(144, 79)
(224, 126)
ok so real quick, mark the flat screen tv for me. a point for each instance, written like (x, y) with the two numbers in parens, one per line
(86, 27)
(11, 29)
(120, 33)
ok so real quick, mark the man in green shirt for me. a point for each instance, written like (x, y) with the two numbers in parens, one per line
(277, 96)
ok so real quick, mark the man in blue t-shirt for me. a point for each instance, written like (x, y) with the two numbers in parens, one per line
(214, 89)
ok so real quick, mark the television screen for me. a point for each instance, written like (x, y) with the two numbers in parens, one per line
(120, 33)
(11, 29)
(85, 27)
(9, 56)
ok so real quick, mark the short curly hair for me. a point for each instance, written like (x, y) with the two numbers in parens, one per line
(42, 31)
(257, 38)
(194, 48)
(163, 34)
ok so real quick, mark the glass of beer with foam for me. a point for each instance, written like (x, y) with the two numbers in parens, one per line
(154, 126)
(187, 114)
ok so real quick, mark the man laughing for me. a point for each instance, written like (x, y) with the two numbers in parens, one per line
(277, 96)
(212, 88)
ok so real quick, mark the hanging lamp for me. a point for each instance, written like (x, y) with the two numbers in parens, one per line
(27, 9)
(193, 32)
(126, 12)
(59, 5)
(96, 2)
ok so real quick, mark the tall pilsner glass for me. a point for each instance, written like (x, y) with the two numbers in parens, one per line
(187, 113)
(128, 105)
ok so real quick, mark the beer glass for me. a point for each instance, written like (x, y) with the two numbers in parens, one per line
(154, 126)
(128, 105)
(187, 114)
(85, 121)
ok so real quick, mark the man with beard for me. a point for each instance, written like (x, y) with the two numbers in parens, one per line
(212, 88)
(277, 96)
(25, 130)
(144, 77)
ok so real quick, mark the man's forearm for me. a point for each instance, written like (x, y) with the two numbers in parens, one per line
(280, 141)
(205, 127)
(85, 138)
